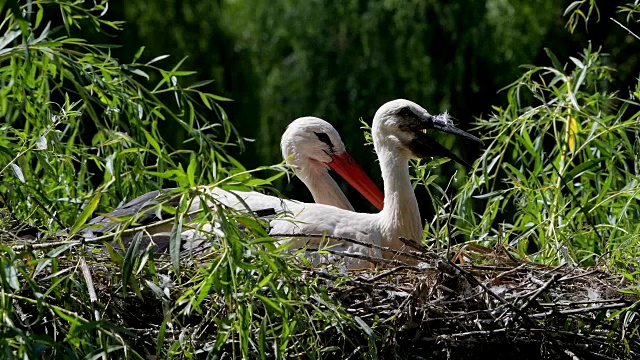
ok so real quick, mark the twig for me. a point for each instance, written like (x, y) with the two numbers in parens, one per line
(414, 255)
(588, 302)
(553, 270)
(524, 316)
(93, 298)
(583, 310)
(385, 274)
(505, 273)
(9, 233)
(626, 28)
(412, 244)
(544, 287)
(335, 277)
(373, 259)
(578, 276)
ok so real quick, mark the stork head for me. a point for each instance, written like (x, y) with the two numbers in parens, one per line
(403, 125)
(313, 145)
(310, 141)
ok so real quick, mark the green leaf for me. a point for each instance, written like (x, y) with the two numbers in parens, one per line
(174, 243)
(572, 6)
(158, 58)
(270, 304)
(138, 54)
(577, 62)
(578, 170)
(490, 194)
(554, 60)
(264, 281)
(191, 170)
(236, 163)
(130, 259)
(262, 334)
(18, 172)
(38, 15)
(161, 335)
(200, 84)
(152, 141)
(139, 72)
(17, 13)
(363, 325)
(203, 291)
(85, 214)
(42, 36)
(10, 275)
(115, 256)
(218, 98)
(8, 38)
(55, 252)
(204, 99)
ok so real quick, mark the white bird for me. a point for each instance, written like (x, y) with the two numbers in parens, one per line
(310, 144)
(399, 134)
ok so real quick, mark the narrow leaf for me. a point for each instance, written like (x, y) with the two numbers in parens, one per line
(138, 54)
(130, 259)
(158, 58)
(8, 38)
(85, 214)
(11, 276)
(191, 170)
(18, 172)
(585, 166)
(152, 141)
(270, 304)
(174, 243)
(139, 72)
(199, 84)
(367, 330)
(554, 60)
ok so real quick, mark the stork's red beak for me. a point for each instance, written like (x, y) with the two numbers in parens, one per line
(349, 169)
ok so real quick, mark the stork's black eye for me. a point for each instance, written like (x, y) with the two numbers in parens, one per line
(325, 139)
(406, 112)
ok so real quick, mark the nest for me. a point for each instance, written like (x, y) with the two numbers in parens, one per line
(423, 305)
(434, 308)
(469, 312)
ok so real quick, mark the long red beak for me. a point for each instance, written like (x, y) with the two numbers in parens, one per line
(349, 169)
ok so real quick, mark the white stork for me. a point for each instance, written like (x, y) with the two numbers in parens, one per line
(310, 144)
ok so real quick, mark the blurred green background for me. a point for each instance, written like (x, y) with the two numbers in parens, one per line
(340, 60)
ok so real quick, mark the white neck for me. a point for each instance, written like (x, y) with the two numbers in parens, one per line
(322, 187)
(400, 216)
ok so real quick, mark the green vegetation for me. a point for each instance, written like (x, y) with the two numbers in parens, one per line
(564, 159)
(87, 127)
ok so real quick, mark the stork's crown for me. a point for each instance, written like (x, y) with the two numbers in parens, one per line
(310, 138)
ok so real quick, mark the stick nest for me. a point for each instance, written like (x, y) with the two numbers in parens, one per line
(429, 307)
(444, 310)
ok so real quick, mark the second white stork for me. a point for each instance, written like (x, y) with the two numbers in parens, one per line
(310, 144)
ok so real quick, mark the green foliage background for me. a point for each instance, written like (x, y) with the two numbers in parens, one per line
(280, 60)
(91, 120)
